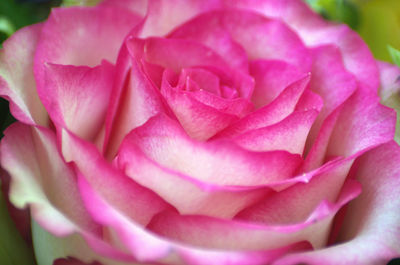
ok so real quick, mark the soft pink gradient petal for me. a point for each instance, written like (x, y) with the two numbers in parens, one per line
(370, 230)
(208, 232)
(199, 178)
(82, 36)
(175, 54)
(315, 31)
(330, 79)
(164, 15)
(218, 162)
(77, 97)
(237, 106)
(309, 101)
(139, 100)
(39, 175)
(272, 113)
(137, 6)
(143, 245)
(372, 124)
(17, 83)
(108, 182)
(26, 153)
(199, 120)
(271, 78)
(218, 40)
(295, 203)
(188, 195)
(217, 257)
(261, 37)
(289, 134)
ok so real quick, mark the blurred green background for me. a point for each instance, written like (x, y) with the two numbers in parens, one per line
(377, 21)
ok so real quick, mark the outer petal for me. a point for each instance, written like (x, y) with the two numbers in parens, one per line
(24, 151)
(137, 6)
(370, 233)
(82, 36)
(77, 97)
(218, 40)
(39, 176)
(190, 175)
(97, 174)
(49, 248)
(163, 141)
(259, 36)
(372, 124)
(165, 15)
(17, 82)
(175, 54)
(208, 232)
(314, 31)
(294, 204)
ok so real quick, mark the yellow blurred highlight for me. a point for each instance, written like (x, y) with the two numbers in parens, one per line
(380, 25)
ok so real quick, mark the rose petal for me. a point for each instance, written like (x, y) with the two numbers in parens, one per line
(24, 151)
(71, 36)
(236, 106)
(49, 248)
(164, 15)
(274, 112)
(271, 78)
(17, 83)
(150, 155)
(175, 54)
(289, 134)
(294, 204)
(108, 182)
(77, 97)
(207, 232)
(315, 31)
(217, 257)
(138, 7)
(218, 162)
(199, 120)
(370, 233)
(134, 99)
(259, 36)
(331, 81)
(372, 124)
(39, 176)
(218, 40)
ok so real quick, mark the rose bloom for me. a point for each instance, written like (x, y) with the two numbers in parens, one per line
(201, 132)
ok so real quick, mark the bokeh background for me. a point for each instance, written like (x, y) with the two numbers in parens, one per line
(377, 21)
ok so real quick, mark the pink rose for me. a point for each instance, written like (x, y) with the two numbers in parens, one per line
(201, 132)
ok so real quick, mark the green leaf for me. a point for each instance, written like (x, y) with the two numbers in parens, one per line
(395, 54)
(80, 2)
(13, 249)
(6, 26)
(339, 10)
